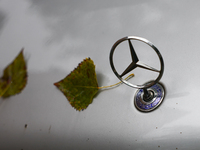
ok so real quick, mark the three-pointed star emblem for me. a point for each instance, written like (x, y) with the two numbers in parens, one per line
(135, 62)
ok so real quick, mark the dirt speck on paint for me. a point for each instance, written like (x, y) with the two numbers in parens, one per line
(49, 128)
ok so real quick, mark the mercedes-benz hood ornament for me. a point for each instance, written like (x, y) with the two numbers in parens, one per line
(149, 95)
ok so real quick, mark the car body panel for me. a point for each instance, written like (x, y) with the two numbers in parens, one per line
(57, 35)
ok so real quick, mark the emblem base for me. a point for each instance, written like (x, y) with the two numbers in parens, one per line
(158, 93)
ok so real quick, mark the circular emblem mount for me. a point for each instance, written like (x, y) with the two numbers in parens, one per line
(146, 106)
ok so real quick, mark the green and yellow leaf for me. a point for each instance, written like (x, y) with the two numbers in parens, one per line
(80, 86)
(14, 77)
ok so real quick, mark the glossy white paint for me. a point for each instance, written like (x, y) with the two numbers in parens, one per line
(57, 35)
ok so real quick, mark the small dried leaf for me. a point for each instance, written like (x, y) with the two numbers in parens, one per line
(14, 78)
(80, 86)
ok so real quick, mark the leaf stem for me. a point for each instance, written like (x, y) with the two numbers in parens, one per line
(110, 86)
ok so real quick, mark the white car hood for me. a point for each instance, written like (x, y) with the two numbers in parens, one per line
(57, 35)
